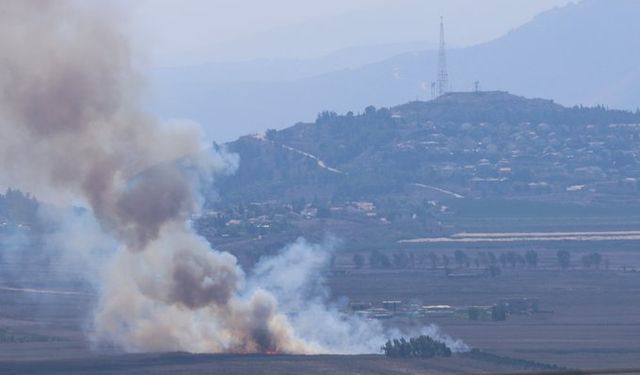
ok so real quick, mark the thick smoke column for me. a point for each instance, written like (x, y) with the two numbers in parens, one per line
(72, 131)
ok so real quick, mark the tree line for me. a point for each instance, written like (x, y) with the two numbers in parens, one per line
(483, 259)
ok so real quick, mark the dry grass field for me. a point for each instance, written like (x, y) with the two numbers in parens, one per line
(588, 319)
(591, 319)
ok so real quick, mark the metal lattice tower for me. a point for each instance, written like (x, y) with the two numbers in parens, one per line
(443, 76)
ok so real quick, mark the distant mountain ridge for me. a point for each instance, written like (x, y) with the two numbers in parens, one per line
(582, 53)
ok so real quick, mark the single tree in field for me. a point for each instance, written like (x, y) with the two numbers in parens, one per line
(483, 258)
(592, 260)
(564, 259)
(460, 257)
(474, 313)
(358, 260)
(494, 270)
(503, 260)
(445, 260)
(531, 257)
(401, 260)
(379, 260)
(493, 260)
(433, 258)
(510, 258)
(498, 312)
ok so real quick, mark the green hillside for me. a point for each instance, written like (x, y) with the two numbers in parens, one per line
(486, 144)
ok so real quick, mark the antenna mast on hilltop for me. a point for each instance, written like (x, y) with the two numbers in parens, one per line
(443, 76)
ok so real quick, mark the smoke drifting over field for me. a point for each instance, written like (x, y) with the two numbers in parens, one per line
(72, 132)
(295, 278)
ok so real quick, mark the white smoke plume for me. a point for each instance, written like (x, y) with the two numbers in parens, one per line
(72, 132)
(295, 278)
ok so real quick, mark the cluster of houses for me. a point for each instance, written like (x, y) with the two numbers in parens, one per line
(533, 158)
(465, 160)
(261, 218)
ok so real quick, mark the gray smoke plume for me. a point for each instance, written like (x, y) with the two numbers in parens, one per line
(72, 132)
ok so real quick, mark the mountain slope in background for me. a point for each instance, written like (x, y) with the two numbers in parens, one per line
(580, 54)
(476, 145)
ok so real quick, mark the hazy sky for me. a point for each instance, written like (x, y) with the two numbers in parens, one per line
(184, 32)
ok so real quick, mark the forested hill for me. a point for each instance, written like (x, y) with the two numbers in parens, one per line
(467, 144)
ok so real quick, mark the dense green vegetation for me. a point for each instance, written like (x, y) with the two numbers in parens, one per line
(420, 347)
(480, 145)
(17, 207)
(475, 162)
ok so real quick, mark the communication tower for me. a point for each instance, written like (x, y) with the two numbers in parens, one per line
(443, 75)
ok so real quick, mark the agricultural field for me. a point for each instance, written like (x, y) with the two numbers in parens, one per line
(584, 318)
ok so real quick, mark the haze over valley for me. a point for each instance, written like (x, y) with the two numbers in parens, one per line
(294, 187)
(572, 54)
